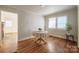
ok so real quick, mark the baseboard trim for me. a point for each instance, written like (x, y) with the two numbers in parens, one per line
(26, 38)
(51, 35)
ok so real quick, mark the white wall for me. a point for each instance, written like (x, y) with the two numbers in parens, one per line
(30, 23)
(72, 19)
(78, 25)
(27, 22)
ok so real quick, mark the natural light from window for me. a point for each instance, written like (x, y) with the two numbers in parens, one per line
(58, 22)
(61, 22)
(52, 22)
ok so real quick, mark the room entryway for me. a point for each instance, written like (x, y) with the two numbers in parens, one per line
(8, 31)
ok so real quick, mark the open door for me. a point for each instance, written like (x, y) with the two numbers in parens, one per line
(9, 31)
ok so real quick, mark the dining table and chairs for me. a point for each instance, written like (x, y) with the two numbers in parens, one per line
(40, 36)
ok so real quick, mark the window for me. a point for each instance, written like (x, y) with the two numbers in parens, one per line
(52, 22)
(58, 22)
(61, 22)
(8, 23)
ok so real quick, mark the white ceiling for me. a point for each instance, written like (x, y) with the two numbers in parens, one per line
(42, 10)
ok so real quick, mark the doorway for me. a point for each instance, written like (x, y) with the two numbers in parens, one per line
(9, 31)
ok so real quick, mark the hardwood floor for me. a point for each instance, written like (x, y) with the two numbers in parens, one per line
(9, 43)
(54, 45)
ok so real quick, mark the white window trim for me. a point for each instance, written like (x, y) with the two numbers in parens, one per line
(56, 25)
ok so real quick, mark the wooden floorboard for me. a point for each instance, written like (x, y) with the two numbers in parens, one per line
(53, 45)
(9, 43)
